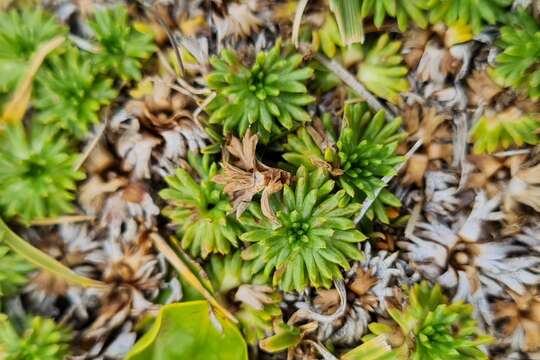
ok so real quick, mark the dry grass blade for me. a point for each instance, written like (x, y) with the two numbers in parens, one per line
(298, 21)
(62, 220)
(185, 272)
(42, 260)
(16, 108)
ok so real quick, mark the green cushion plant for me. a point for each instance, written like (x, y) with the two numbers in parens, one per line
(40, 339)
(200, 208)
(358, 158)
(269, 97)
(37, 175)
(122, 48)
(314, 236)
(13, 271)
(22, 32)
(70, 95)
(477, 13)
(431, 328)
(498, 131)
(518, 66)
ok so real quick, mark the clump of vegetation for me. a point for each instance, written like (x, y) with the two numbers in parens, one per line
(13, 272)
(70, 94)
(37, 175)
(22, 32)
(314, 236)
(477, 13)
(122, 48)
(230, 271)
(496, 131)
(201, 209)
(268, 98)
(429, 327)
(40, 339)
(518, 64)
(358, 158)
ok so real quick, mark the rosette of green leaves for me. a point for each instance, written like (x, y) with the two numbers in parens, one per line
(22, 32)
(41, 339)
(13, 271)
(430, 328)
(382, 70)
(364, 153)
(37, 175)
(518, 66)
(477, 13)
(70, 94)
(495, 131)
(405, 11)
(200, 208)
(269, 97)
(122, 48)
(313, 238)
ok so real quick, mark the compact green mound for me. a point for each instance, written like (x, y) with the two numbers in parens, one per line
(431, 328)
(314, 236)
(37, 176)
(358, 158)
(40, 339)
(269, 97)
(200, 208)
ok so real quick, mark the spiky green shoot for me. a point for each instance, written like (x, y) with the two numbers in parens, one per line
(477, 13)
(519, 64)
(269, 97)
(70, 95)
(314, 236)
(13, 271)
(364, 153)
(430, 328)
(200, 208)
(382, 71)
(497, 131)
(22, 32)
(122, 49)
(37, 175)
(41, 339)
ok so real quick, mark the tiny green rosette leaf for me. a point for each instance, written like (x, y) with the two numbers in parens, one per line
(13, 271)
(431, 328)
(22, 32)
(37, 175)
(41, 339)
(200, 208)
(69, 95)
(122, 48)
(314, 237)
(270, 97)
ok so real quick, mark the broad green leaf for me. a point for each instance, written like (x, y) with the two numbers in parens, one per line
(42, 260)
(190, 331)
